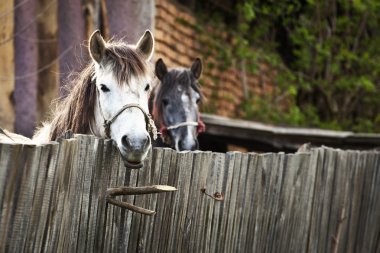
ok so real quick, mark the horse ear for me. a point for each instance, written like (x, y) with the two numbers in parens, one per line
(196, 68)
(97, 46)
(160, 69)
(146, 45)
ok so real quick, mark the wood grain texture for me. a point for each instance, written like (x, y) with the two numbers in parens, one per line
(53, 199)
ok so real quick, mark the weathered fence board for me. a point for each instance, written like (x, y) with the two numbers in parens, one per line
(53, 199)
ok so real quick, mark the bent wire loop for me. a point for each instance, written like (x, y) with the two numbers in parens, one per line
(127, 190)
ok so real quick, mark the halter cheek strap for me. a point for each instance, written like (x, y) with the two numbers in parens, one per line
(150, 126)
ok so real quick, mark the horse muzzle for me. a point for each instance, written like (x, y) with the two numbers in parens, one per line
(134, 150)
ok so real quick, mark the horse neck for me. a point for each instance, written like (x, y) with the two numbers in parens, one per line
(96, 126)
(75, 111)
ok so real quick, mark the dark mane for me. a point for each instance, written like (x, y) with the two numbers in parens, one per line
(76, 110)
(175, 76)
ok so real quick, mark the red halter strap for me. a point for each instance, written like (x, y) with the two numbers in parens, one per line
(201, 127)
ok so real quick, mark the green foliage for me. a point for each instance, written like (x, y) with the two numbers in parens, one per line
(327, 56)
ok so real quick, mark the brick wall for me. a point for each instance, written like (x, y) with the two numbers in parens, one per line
(179, 43)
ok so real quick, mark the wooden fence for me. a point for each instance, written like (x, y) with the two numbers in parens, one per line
(52, 199)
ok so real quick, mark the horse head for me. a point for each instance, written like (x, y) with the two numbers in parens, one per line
(175, 106)
(123, 84)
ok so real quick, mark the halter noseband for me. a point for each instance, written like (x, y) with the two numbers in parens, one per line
(200, 127)
(150, 126)
(187, 123)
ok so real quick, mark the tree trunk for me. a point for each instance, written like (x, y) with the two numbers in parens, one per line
(48, 82)
(71, 36)
(129, 19)
(26, 53)
(7, 116)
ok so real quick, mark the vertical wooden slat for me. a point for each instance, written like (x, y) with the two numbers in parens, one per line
(169, 207)
(85, 198)
(242, 203)
(55, 195)
(47, 207)
(227, 182)
(179, 201)
(157, 243)
(193, 197)
(137, 219)
(25, 198)
(339, 209)
(363, 240)
(11, 158)
(70, 215)
(318, 198)
(156, 163)
(208, 212)
(105, 174)
(248, 212)
(268, 172)
(275, 185)
(34, 231)
(97, 194)
(232, 207)
(258, 181)
(60, 185)
(373, 232)
(112, 211)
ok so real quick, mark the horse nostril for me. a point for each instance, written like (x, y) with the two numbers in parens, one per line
(141, 143)
(183, 145)
(125, 142)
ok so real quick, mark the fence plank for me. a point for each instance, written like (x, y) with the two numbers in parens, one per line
(233, 206)
(13, 157)
(256, 204)
(162, 204)
(33, 230)
(365, 240)
(104, 182)
(247, 203)
(169, 205)
(217, 167)
(136, 243)
(24, 199)
(156, 163)
(46, 208)
(227, 182)
(85, 198)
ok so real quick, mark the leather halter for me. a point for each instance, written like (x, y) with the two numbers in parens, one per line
(187, 123)
(150, 126)
(200, 126)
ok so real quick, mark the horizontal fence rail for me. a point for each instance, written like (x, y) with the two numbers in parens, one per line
(53, 199)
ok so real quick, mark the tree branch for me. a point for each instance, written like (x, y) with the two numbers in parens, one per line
(125, 190)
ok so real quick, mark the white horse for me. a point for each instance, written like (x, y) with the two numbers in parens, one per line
(109, 99)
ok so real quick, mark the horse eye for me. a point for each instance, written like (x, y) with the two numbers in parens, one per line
(165, 101)
(198, 100)
(104, 88)
(147, 87)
